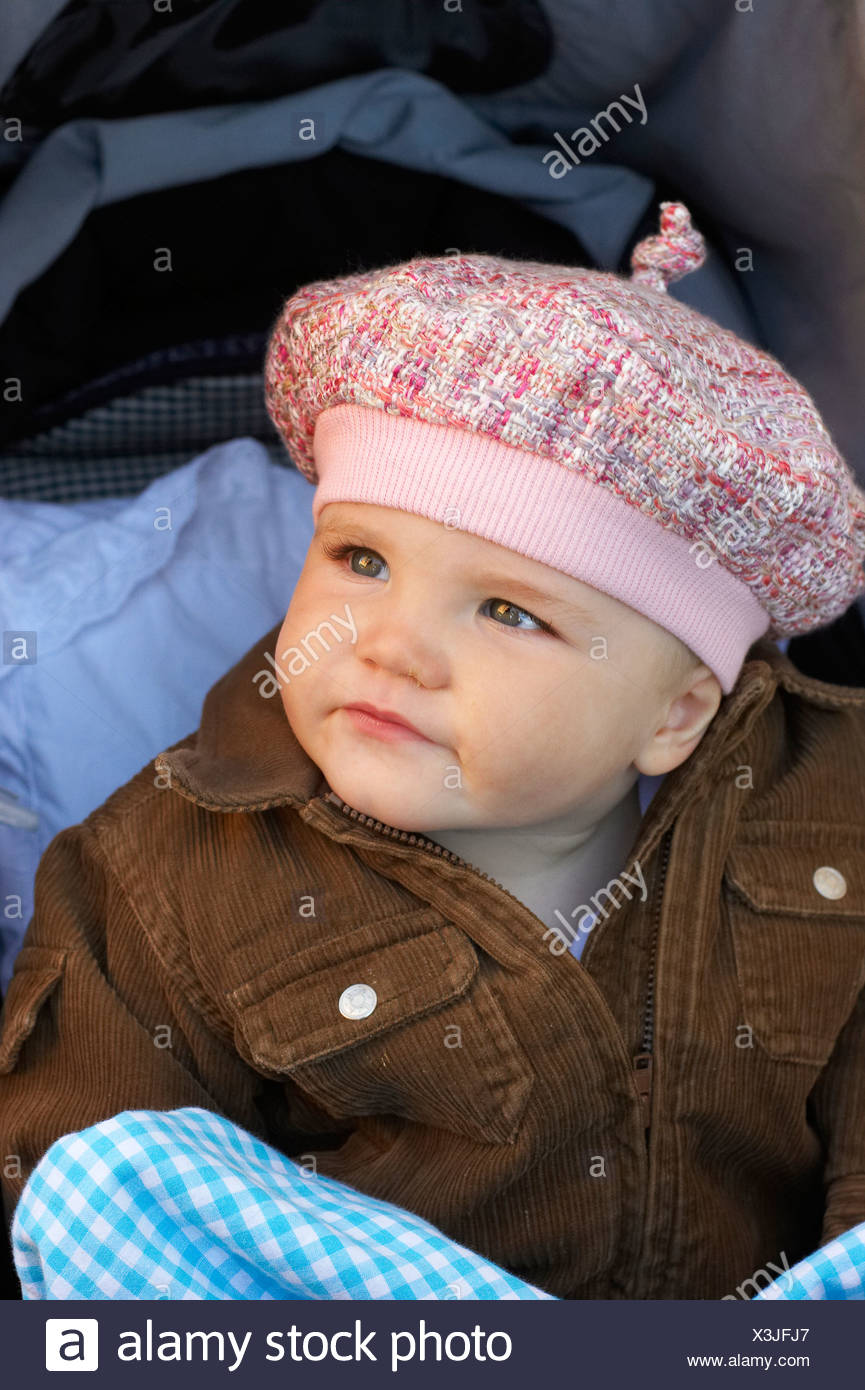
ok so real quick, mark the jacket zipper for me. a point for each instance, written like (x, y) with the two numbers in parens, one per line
(409, 838)
(642, 1061)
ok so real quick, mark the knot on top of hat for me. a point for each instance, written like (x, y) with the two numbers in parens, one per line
(678, 249)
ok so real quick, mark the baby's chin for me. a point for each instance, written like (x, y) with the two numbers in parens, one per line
(380, 802)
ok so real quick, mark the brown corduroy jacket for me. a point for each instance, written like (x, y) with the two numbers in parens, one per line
(679, 1109)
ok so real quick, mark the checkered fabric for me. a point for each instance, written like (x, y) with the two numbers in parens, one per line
(184, 1204)
(116, 449)
(836, 1271)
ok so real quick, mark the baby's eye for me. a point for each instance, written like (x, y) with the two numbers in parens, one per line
(338, 551)
(364, 566)
(500, 607)
(499, 604)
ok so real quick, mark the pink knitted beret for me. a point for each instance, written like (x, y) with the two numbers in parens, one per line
(586, 420)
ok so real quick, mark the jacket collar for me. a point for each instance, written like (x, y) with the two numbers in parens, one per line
(245, 756)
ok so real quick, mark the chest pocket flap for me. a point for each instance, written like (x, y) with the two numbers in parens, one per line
(432, 1045)
(298, 1019)
(37, 971)
(797, 917)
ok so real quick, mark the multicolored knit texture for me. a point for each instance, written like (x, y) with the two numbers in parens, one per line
(611, 378)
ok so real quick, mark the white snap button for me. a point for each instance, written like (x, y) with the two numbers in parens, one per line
(829, 882)
(358, 1001)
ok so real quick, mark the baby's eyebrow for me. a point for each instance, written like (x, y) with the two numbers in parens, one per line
(494, 580)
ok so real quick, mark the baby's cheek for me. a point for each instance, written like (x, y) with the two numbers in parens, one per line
(504, 762)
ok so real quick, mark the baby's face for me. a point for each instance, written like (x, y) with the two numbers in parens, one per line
(521, 725)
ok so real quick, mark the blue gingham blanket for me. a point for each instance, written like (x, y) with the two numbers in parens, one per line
(184, 1204)
(836, 1271)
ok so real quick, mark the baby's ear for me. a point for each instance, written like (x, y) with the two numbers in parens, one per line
(698, 700)
(686, 718)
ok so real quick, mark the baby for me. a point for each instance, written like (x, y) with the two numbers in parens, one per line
(536, 903)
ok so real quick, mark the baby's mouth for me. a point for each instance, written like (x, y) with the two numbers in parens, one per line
(389, 730)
